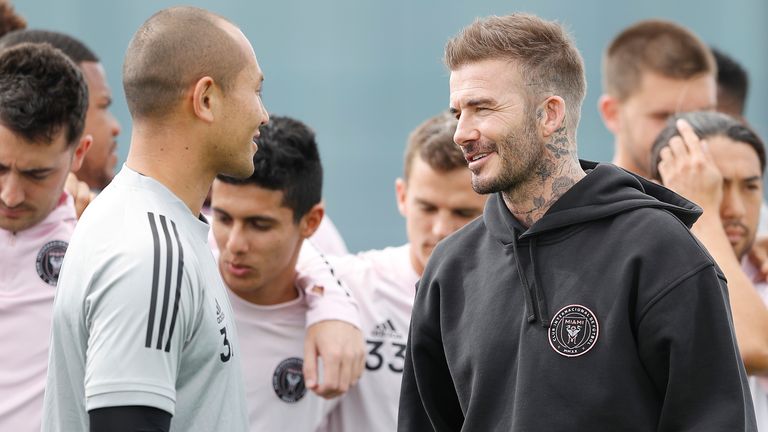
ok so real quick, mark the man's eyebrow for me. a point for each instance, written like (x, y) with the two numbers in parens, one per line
(260, 219)
(36, 171)
(479, 101)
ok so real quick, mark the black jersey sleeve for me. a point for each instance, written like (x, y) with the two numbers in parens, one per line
(129, 419)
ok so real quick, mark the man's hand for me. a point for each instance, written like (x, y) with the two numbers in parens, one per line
(686, 167)
(758, 255)
(341, 347)
(80, 192)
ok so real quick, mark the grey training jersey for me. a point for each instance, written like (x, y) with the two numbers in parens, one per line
(141, 316)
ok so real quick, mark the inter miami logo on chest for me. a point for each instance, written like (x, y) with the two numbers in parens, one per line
(49, 259)
(573, 331)
(288, 380)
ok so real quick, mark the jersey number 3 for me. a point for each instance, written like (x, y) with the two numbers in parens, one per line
(376, 360)
(227, 354)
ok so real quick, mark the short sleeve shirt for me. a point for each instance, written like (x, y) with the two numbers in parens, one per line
(142, 317)
(272, 347)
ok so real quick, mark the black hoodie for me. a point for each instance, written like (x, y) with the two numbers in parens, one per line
(605, 315)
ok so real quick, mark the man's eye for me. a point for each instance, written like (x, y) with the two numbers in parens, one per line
(260, 226)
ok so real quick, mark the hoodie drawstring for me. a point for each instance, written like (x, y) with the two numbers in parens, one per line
(529, 307)
(538, 292)
(540, 307)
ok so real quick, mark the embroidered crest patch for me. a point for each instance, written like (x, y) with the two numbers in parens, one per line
(49, 259)
(573, 331)
(288, 380)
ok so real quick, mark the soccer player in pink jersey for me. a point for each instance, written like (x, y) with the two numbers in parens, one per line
(43, 101)
(436, 198)
(98, 167)
(260, 224)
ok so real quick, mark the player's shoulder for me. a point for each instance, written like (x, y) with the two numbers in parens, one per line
(374, 261)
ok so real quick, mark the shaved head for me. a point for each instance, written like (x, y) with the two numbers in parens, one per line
(174, 49)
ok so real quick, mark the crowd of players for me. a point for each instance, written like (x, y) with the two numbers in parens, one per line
(162, 324)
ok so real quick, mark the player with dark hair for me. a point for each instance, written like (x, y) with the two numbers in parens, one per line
(43, 101)
(99, 164)
(260, 224)
(732, 85)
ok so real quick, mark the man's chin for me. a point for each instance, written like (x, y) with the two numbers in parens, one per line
(16, 225)
(240, 172)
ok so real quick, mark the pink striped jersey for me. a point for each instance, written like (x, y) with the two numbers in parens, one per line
(29, 269)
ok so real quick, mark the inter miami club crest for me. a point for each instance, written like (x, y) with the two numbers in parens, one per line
(288, 380)
(49, 261)
(573, 331)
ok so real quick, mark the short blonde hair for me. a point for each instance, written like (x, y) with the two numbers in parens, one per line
(548, 59)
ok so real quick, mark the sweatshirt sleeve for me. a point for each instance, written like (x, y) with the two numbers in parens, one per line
(428, 399)
(691, 355)
(327, 297)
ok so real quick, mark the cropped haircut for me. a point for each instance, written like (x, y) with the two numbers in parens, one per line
(42, 92)
(732, 84)
(547, 58)
(707, 124)
(171, 51)
(432, 142)
(77, 51)
(657, 46)
(288, 161)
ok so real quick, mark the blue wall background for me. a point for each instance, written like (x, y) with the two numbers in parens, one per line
(364, 73)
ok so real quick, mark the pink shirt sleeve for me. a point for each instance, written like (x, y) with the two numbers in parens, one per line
(327, 297)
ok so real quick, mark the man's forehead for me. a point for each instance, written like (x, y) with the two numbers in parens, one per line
(736, 160)
(696, 93)
(28, 154)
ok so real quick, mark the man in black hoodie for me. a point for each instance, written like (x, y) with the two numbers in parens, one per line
(580, 300)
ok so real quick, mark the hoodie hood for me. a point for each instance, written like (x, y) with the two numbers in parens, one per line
(607, 190)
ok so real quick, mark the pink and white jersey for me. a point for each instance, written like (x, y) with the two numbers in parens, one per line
(758, 385)
(29, 269)
(384, 284)
(272, 352)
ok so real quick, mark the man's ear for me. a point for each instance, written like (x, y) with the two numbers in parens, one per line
(312, 219)
(609, 110)
(80, 151)
(400, 194)
(204, 99)
(550, 115)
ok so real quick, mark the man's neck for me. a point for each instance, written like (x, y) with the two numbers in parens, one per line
(553, 176)
(279, 291)
(622, 160)
(173, 161)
